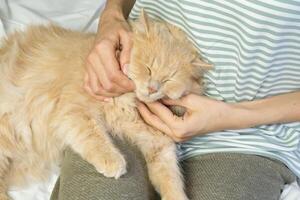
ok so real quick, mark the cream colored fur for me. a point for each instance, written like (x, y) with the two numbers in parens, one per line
(44, 109)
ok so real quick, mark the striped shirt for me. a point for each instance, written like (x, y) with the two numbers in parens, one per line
(255, 48)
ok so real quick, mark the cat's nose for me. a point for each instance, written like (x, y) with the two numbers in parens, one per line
(152, 89)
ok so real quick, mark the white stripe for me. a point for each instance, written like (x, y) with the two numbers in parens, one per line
(233, 80)
(254, 15)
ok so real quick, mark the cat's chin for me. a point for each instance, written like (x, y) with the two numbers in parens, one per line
(148, 99)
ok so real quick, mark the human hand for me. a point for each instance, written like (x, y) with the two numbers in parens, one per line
(203, 115)
(108, 60)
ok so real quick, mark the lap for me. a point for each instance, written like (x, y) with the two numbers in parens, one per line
(219, 176)
(80, 181)
(224, 176)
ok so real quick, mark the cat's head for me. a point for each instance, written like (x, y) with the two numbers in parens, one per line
(164, 63)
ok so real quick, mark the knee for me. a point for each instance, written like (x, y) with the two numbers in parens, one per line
(79, 179)
(234, 177)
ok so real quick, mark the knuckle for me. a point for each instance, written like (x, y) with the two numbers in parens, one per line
(187, 100)
(130, 38)
(91, 58)
(127, 34)
(178, 140)
(102, 45)
(99, 47)
(100, 91)
(86, 87)
(179, 133)
(86, 84)
(108, 87)
(97, 90)
(130, 34)
(88, 90)
(112, 77)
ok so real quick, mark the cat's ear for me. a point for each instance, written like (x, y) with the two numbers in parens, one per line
(199, 66)
(176, 32)
(143, 23)
(198, 62)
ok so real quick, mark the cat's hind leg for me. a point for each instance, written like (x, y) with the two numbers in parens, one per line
(160, 154)
(6, 147)
(90, 140)
(4, 166)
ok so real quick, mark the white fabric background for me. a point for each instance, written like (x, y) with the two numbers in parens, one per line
(75, 14)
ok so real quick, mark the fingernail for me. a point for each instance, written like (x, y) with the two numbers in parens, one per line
(107, 99)
(125, 69)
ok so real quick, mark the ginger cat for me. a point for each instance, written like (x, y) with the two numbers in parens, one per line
(44, 109)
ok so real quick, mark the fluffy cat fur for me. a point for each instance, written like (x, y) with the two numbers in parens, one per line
(44, 109)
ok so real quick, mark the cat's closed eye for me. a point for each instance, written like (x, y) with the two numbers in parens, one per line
(166, 80)
(150, 66)
(169, 78)
(149, 70)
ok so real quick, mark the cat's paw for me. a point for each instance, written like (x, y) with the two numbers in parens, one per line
(111, 165)
(177, 197)
(165, 198)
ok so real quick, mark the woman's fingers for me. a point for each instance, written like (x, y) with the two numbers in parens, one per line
(126, 41)
(187, 101)
(164, 113)
(108, 58)
(98, 78)
(94, 88)
(155, 121)
(177, 125)
(113, 73)
(88, 89)
(92, 80)
(152, 119)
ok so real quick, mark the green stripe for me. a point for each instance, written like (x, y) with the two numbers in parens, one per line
(247, 66)
(246, 15)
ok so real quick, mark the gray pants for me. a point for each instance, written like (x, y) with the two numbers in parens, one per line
(219, 176)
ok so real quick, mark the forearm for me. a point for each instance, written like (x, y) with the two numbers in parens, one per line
(118, 8)
(277, 109)
(114, 11)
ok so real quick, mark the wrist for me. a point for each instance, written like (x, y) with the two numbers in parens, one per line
(231, 116)
(222, 117)
(118, 9)
(112, 13)
(250, 114)
(240, 117)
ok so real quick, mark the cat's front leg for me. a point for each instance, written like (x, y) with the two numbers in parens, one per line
(90, 140)
(160, 154)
